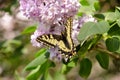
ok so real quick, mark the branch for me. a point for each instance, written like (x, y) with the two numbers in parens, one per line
(102, 48)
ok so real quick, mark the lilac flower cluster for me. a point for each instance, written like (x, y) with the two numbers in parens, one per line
(49, 14)
(49, 11)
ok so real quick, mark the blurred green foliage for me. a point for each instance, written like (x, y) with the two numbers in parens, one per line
(6, 5)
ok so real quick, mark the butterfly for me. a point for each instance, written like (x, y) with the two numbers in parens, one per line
(63, 41)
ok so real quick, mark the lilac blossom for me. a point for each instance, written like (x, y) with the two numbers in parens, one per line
(55, 54)
(49, 11)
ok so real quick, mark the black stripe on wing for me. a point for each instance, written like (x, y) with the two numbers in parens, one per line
(49, 39)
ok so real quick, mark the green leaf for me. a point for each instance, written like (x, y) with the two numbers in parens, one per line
(99, 16)
(118, 8)
(87, 9)
(45, 67)
(84, 2)
(103, 60)
(71, 64)
(115, 30)
(64, 67)
(49, 77)
(41, 51)
(117, 13)
(112, 16)
(85, 67)
(118, 22)
(113, 44)
(118, 51)
(59, 76)
(41, 69)
(84, 48)
(92, 28)
(87, 45)
(36, 62)
(88, 6)
(34, 74)
(29, 29)
(68, 67)
(97, 5)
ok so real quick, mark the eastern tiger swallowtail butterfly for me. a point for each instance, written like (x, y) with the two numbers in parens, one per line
(63, 41)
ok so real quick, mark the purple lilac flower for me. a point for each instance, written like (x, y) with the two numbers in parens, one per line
(49, 11)
(54, 54)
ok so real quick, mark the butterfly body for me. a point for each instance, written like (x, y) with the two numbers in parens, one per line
(64, 41)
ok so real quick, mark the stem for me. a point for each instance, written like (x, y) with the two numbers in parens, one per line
(112, 54)
(113, 24)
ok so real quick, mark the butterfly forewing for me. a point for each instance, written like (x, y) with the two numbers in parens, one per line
(51, 40)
